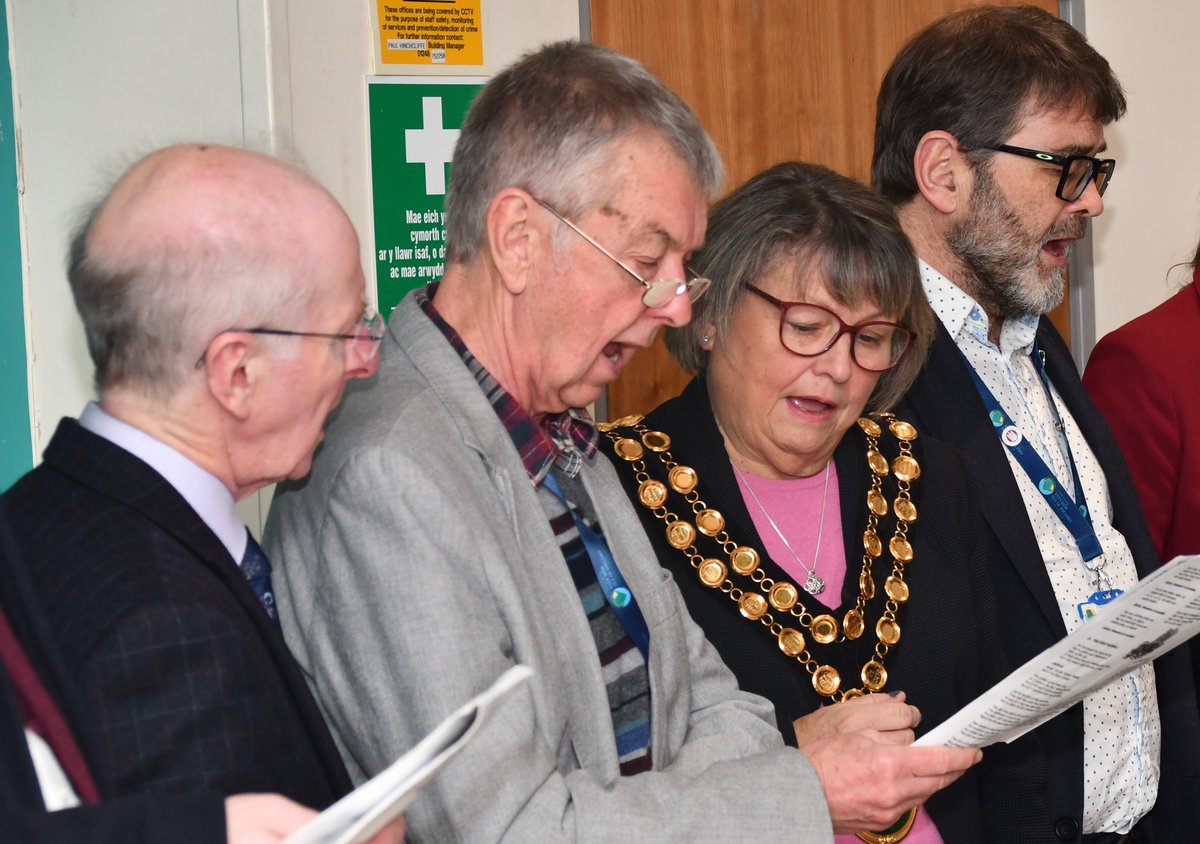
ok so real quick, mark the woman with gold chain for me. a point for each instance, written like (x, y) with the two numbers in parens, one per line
(827, 552)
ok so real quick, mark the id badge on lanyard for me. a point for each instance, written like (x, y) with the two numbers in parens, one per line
(1072, 513)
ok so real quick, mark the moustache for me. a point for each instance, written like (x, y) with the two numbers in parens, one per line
(1071, 229)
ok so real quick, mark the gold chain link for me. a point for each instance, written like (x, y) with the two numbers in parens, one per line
(783, 596)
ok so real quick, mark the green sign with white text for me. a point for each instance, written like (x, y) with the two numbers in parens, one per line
(414, 126)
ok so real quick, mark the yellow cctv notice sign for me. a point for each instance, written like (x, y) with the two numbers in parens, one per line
(430, 32)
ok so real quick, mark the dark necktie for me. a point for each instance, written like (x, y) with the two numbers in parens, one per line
(257, 569)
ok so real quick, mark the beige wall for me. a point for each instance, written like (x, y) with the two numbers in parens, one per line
(99, 83)
(1152, 211)
(96, 84)
(320, 59)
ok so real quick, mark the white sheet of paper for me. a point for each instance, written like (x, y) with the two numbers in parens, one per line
(380, 800)
(1158, 614)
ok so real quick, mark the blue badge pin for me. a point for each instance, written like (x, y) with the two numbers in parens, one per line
(1046, 486)
(997, 418)
(621, 597)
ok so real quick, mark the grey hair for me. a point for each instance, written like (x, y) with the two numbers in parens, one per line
(548, 125)
(806, 217)
(150, 313)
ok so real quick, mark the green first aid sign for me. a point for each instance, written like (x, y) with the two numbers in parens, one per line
(414, 126)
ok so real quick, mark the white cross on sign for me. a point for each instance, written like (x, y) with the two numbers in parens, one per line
(431, 145)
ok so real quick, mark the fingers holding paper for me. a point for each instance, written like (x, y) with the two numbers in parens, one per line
(890, 719)
(869, 782)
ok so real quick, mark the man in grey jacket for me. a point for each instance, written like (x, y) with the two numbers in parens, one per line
(458, 519)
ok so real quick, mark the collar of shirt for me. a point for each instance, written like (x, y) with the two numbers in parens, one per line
(562, 439)
(204, 491)
(964, 318)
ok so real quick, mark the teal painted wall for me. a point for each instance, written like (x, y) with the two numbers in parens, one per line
(16, 444)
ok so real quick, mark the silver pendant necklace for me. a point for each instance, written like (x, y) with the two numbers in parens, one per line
(813, 584)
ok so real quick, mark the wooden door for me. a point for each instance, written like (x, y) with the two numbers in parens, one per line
(772, 80)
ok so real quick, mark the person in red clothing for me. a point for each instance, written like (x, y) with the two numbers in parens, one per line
(1142, 376)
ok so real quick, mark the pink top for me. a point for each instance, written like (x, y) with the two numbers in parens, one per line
(795, 506)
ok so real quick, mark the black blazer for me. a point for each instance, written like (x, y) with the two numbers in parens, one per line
(949, 651)
(187, 684)
(945, 403)
(196, 819)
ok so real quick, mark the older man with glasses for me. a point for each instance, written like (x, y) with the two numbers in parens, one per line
(989, 128)
(459, 518)
(159, 600)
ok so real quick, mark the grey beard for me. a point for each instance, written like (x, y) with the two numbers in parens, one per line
(1005, 291)
(1003, 272)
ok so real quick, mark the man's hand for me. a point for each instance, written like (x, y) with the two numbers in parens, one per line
(891, 717)
(269, 818)
(870, 782)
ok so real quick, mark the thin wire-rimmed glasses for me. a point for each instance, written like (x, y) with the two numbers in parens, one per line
(658, 293)
(1077, 170)
(810, 330)
(365, 335)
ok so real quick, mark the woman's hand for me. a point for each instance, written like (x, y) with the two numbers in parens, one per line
(889, 719)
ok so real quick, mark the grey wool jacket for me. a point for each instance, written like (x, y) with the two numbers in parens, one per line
(416, 564)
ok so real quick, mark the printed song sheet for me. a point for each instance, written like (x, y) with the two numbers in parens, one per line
(375, 803)
(1160, 613)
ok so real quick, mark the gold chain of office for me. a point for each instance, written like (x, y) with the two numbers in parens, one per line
(759, 595)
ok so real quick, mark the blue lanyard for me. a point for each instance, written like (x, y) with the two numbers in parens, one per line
(1073, 514)
(612, 582)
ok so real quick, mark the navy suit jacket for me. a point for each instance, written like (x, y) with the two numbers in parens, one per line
(188, 685)
(945, 404)
(194, 819)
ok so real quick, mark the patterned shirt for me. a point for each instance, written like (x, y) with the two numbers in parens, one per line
(1121, 728)
(560, 444)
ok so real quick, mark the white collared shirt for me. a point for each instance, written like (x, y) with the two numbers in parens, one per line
(204, 491)
(1121, 729)
(57, 791)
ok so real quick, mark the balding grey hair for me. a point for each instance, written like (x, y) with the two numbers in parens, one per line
(150, 312)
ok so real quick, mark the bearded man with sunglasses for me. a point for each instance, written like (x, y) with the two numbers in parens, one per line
(989, 140)
(223, 300)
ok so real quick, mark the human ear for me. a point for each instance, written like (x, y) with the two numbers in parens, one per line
(232, 372)
(512, 239)
(940, 170)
